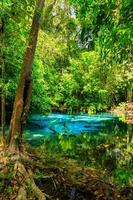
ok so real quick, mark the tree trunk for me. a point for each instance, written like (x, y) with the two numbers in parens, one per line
(129, 93)
(3, 80)
(23, 93)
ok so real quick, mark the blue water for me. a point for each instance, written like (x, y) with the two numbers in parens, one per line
(40, 126)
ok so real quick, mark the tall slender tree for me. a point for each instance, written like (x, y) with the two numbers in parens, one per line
(23, 93)
(3, 80)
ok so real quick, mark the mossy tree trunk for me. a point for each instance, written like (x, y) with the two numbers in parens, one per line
(23, 93)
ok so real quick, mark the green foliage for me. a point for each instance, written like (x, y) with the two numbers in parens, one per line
(16, 18)
(1, 186)
(38, 174)
(123, 176)
(83, 61)
(29, 190)
(5, 183)
(9, 190)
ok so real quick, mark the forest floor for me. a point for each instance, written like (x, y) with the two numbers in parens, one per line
(59, 179)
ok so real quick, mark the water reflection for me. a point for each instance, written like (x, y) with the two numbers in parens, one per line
(97, 140)
(100, 139)
(70, 124)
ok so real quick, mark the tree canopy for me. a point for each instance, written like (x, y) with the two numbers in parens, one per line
(83, 60)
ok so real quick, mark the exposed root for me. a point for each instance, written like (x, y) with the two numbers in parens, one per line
(22, 177)
(22, 194)
(19, 167)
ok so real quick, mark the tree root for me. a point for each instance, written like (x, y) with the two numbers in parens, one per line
(28, 180)
(15, 163)
(22, 195)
